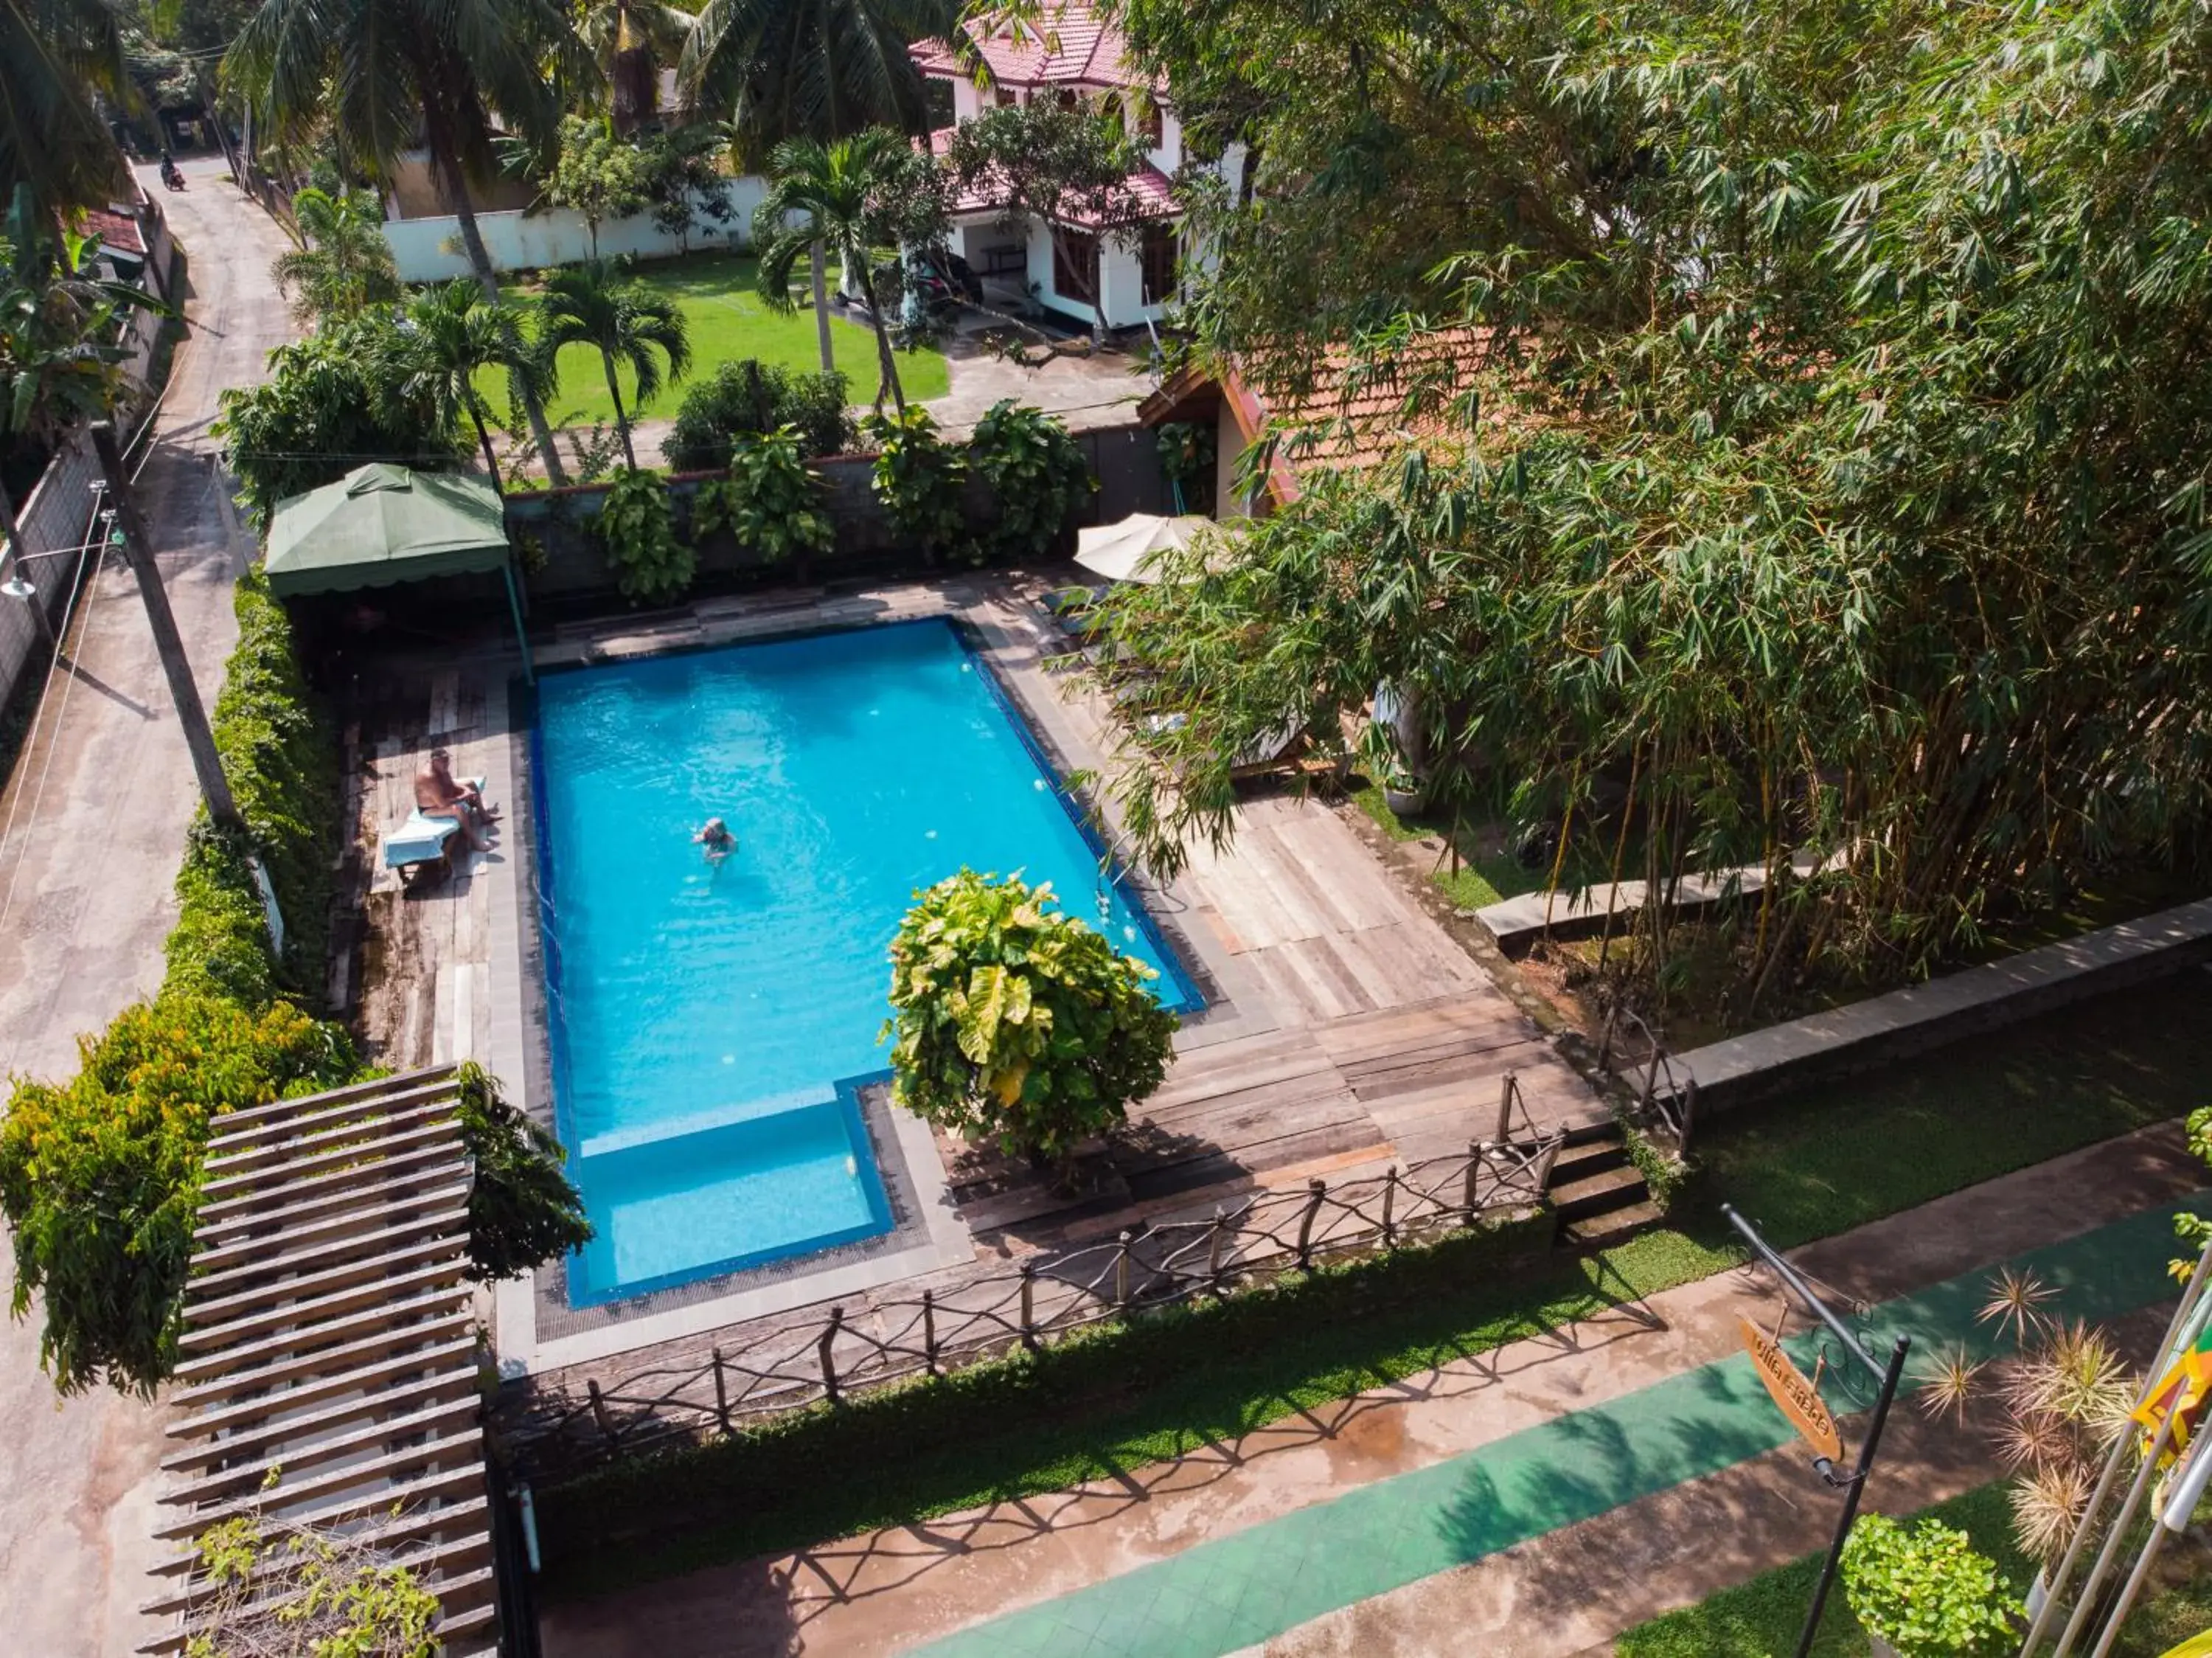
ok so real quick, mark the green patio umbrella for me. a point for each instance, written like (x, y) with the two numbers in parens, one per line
(383, 524)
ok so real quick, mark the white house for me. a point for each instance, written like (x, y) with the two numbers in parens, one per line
(1071, 54)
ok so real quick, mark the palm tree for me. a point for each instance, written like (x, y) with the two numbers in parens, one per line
(453, 334)
(813, 69)
(346, 266)
(835, 192)
(54, 54)
(596, 304)
(630, 40)
(381, 75)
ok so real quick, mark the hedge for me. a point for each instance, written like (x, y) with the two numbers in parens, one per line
(100, 1175)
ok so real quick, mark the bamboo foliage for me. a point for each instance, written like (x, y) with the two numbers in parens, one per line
(1817, 465)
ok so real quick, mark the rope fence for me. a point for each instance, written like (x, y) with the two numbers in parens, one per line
(547, 1433)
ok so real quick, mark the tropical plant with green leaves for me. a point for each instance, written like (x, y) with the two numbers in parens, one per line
(1014, 1023)
(601, 175)
(636, 525)
(345, 395)
(58, 60)
(455, 335)
(271, 1585)
(599, 305)
(685, 184)
(345, 265)
(1924, 1590)
(631, 41)
(523, 1212)
(920, 481)
(1037, 476)
(749, 397)
(772, 500)
(853, 196)
(380, 76)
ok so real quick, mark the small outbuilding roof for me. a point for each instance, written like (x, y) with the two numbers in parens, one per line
(382, 524)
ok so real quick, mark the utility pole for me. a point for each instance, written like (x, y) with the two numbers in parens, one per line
(138, 553)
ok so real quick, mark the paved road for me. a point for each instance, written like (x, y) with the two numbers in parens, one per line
(89, 869)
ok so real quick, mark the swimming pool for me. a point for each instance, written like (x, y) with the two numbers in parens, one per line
(709, 1024)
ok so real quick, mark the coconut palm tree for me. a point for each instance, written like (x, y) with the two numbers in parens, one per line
(811, 69)
(598, 304)
(346, 265)
(838, 195)
(383, 75)
(54, 54)
(631, 41)
(452, 336)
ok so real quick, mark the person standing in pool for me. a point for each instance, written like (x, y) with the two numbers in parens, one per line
(716, 838)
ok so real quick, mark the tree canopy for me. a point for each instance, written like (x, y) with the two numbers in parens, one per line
(1802, 443)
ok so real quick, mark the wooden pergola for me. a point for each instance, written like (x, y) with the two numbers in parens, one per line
(329, 1377)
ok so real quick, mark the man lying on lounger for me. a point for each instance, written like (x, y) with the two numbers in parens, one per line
(439, 794)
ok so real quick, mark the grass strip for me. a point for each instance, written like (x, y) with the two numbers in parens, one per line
(1176, 1382)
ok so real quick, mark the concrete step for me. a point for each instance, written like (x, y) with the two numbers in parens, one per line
(1590, 1157)
(1598, 1193)
(1612, 1226)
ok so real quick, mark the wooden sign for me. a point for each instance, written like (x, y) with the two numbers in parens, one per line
(1797, 1395)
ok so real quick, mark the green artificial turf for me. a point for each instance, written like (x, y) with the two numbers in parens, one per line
(728, 321)
(1832, 1160)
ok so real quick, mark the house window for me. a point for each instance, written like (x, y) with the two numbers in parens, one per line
(1074, 263)
(1067, 97)
(1005, 97)
(1157, 254)
(1151, 127)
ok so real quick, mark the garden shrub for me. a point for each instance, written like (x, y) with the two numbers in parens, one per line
(637, 526)
(522, 1209)
(1016, 1022)
(1925, 1591)
(747, 398)
(919, 479)
(1037, 476)
(771, 501)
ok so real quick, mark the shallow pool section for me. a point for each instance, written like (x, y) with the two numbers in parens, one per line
(708, 1023)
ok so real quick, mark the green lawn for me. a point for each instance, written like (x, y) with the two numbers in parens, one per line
(728, 322)
(1487, 869)
(1832, 1160)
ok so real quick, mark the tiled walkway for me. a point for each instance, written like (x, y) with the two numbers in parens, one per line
(1241, 1590)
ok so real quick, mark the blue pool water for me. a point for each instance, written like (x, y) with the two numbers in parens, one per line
(708, 1024)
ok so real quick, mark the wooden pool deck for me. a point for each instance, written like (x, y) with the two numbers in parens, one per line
(1346, 1031)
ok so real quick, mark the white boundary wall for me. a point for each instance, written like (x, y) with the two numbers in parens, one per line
(530, 241)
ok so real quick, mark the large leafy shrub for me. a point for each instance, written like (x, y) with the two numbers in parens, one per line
(919, 479)
(345, 395)
(100, 1175)
(1924, 1590)
(1014, 1022)
(1037, 476)
(746, 398)
(522, 1209)
(771, 501)
(637, 526)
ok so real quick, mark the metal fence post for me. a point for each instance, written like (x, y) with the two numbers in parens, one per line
(1029, 1305)
(721, 1394)
(1315, 1190)
(1214, 1247)
(929, 1330)
(1122, 1272)
(599, 1414)
(829, 1359)
(1389, 1207)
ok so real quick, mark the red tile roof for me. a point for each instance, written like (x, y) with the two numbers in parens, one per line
(1154, 192)
(119, 231)
(1068, 45)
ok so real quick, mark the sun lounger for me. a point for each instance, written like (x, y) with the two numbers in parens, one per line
(421, 839)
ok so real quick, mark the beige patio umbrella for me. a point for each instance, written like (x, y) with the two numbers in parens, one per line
(1130, 551)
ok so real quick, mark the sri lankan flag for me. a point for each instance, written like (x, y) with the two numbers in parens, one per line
(2181, 1394)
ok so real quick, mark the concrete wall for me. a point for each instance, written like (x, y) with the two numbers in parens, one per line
(575, 579)
(533, 241)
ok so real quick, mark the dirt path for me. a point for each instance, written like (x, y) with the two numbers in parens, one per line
(87, 877)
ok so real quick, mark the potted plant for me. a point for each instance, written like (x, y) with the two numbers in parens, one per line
(1922, 1592)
